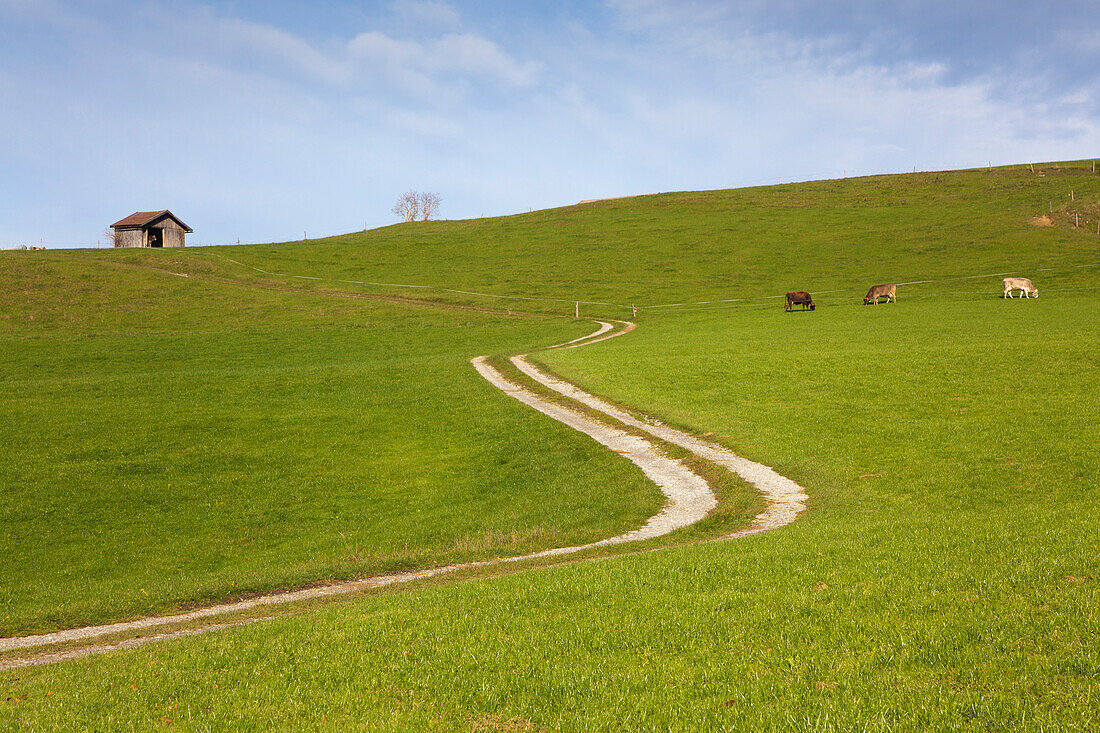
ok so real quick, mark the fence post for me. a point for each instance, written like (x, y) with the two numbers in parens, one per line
(577, 310)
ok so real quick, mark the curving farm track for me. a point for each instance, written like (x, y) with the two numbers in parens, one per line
(689, 500)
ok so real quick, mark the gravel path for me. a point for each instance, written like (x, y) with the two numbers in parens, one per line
(785, 498)
(689, 500)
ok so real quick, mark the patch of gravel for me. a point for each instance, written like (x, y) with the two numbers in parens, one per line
(604, 328)
(89, 651)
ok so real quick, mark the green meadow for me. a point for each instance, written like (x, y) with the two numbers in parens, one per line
(945, 577)
(670, 248)
(171, 441)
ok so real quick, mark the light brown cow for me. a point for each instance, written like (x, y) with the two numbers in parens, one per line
(1021, 284)
(888, 291)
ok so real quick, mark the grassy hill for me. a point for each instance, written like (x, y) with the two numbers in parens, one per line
(174, 440)
(654, 250)
(945, 577)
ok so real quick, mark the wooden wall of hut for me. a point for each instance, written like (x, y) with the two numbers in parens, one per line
(129, 238)
(173, 234)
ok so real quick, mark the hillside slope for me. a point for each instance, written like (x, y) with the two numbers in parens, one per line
(943, 578)
(654, 250)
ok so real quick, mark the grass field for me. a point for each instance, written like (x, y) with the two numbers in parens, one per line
(945, 577)
(655, 250)
(170, 441)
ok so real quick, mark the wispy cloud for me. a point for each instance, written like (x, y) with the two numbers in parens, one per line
(290, 50)
(412, 64)
(448, 56)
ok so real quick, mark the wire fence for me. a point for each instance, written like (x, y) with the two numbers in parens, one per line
(680, 307)
(43, 243)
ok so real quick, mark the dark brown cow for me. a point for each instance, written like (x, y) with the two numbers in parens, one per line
(888, 291)
(800, 297)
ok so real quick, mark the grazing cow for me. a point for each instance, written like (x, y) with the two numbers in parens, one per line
(1022, 284)
(800, 297)
(888, 291)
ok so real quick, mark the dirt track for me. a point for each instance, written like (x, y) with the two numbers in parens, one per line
(689, 500)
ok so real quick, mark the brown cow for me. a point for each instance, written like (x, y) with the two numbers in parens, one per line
(889, 291)
(799, 297)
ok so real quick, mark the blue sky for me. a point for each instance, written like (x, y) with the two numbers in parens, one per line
(265, 120)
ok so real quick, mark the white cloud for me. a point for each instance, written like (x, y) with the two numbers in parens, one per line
(476, 55)
(449, 55)
(286, 47)
(1081, 96)
(421, 67)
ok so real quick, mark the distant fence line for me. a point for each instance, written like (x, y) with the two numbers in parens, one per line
(753, 300)
(42, 243)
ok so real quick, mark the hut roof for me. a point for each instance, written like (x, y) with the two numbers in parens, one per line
(142, 219)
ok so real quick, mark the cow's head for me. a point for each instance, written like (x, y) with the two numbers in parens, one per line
(814, 307)
(867, 301)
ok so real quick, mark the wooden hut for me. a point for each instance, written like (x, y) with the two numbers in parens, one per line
(150, 229)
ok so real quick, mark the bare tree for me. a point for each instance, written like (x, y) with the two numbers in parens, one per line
(109, 236)
(408, 206)
(429, 204)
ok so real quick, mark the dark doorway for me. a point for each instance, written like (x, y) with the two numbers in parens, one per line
(156, 237)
